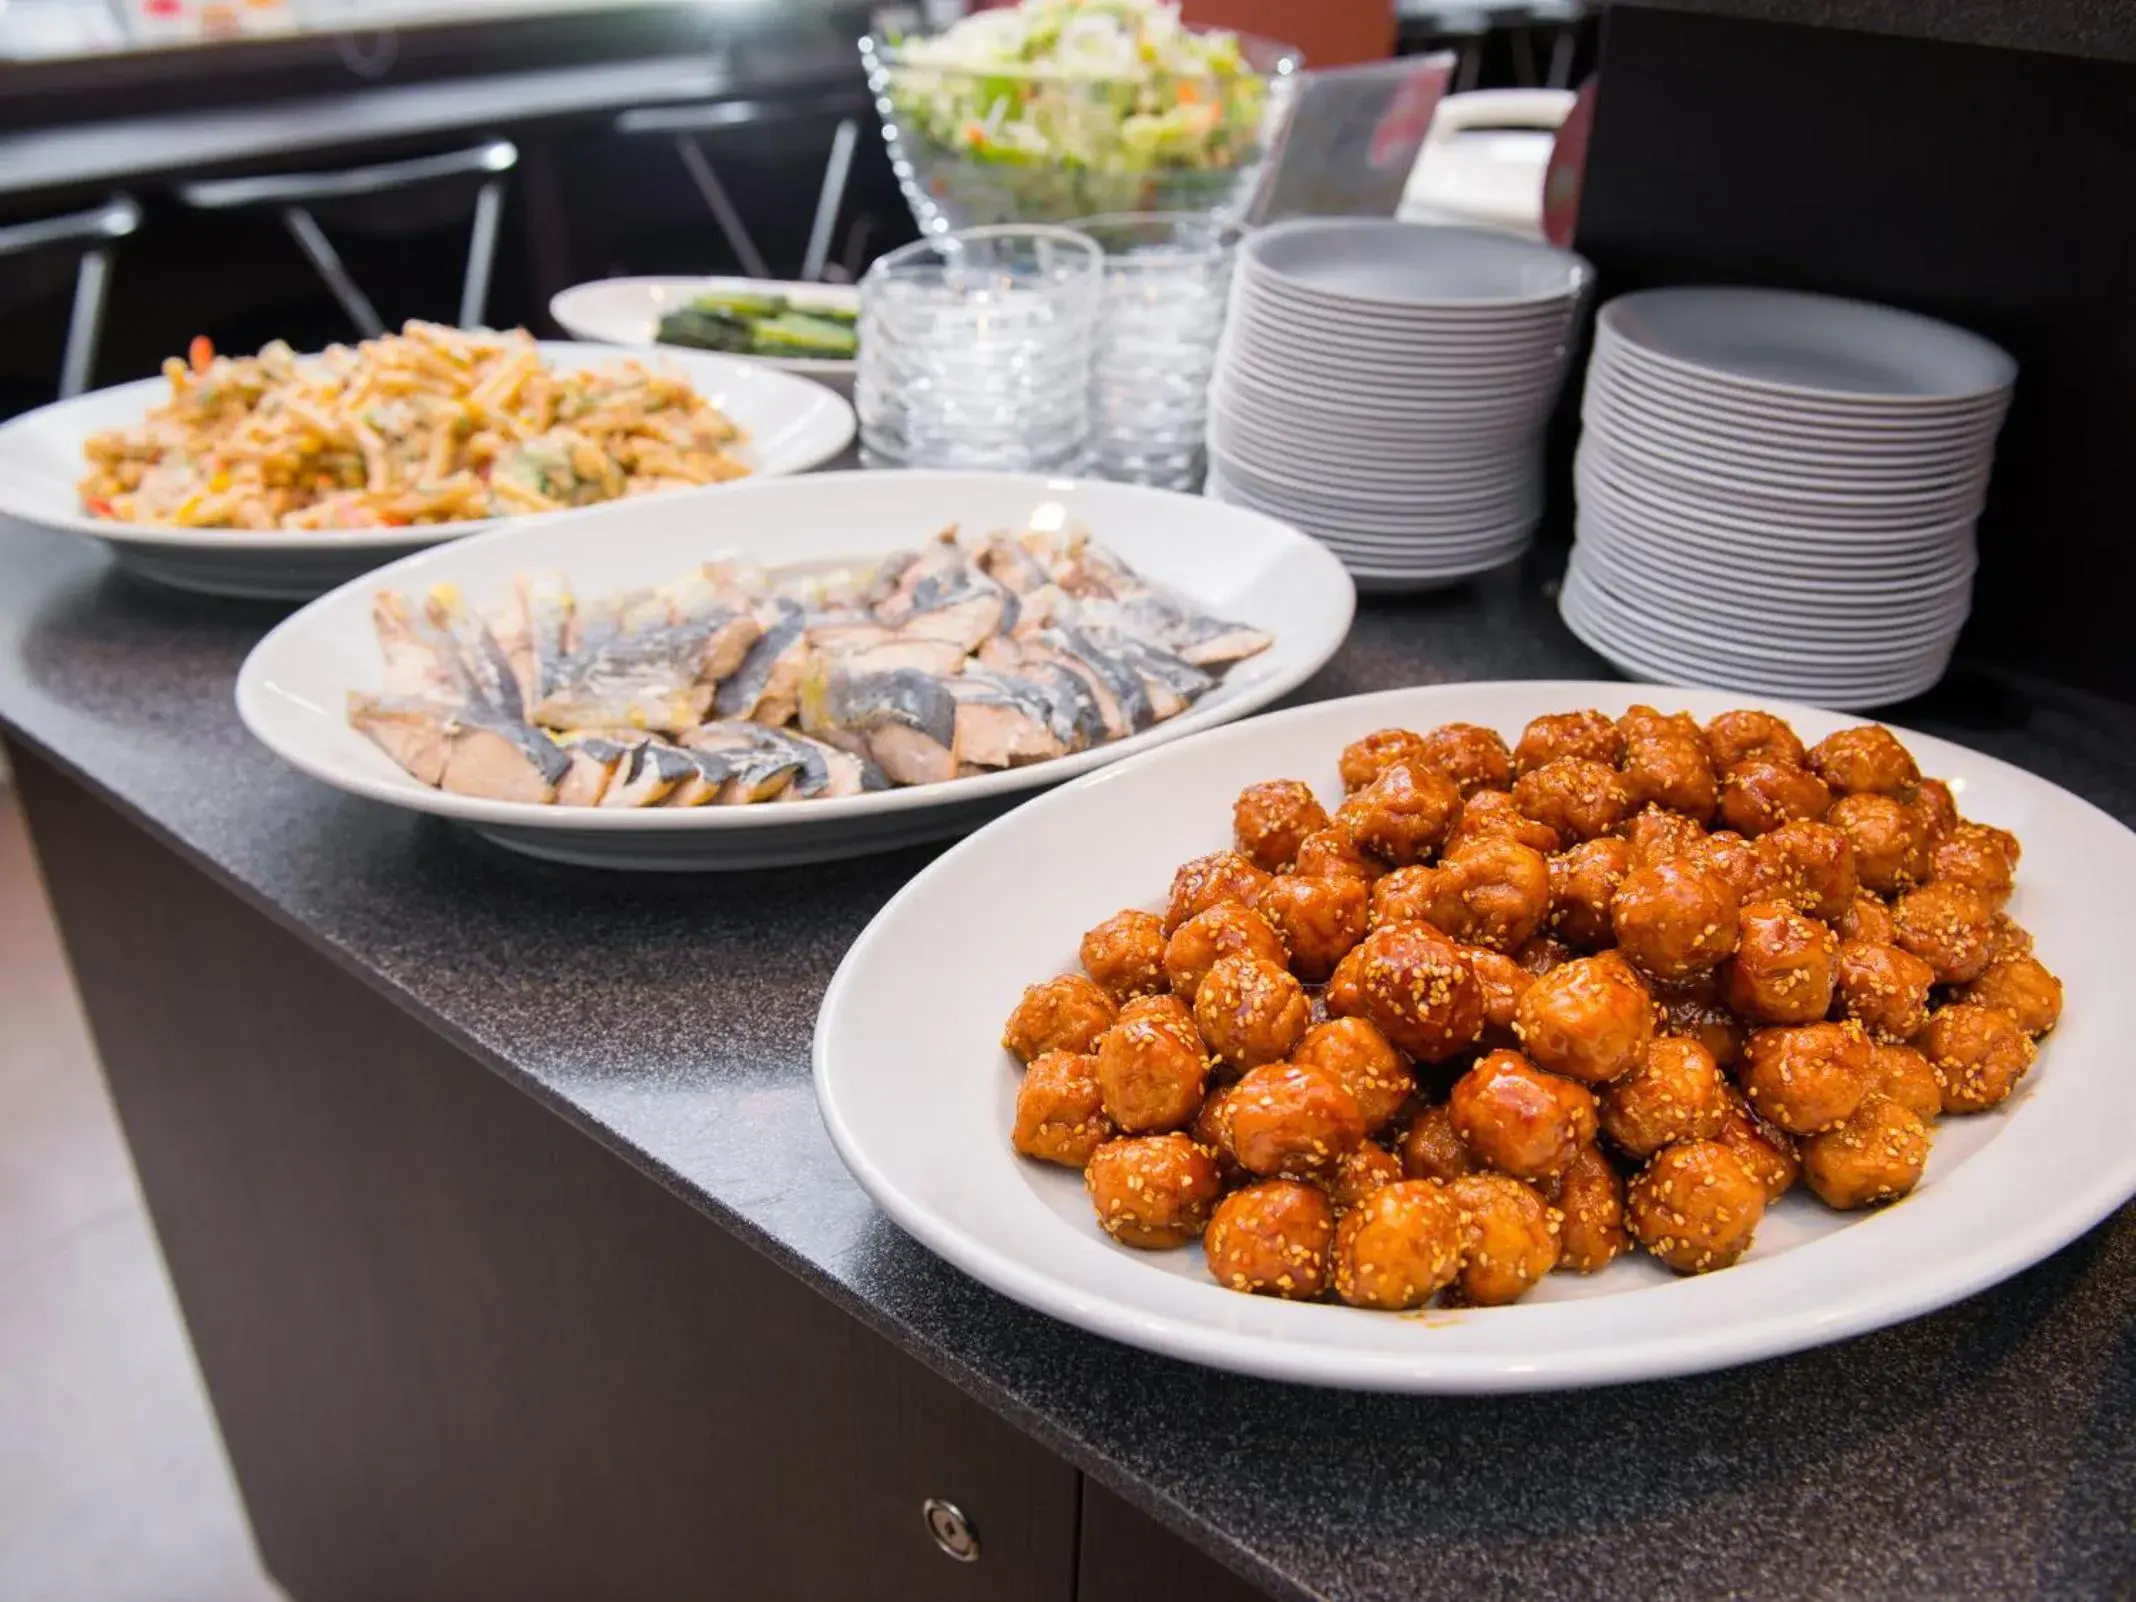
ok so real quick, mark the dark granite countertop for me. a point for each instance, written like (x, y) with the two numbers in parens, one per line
(1985, 1451)
(2101, 29)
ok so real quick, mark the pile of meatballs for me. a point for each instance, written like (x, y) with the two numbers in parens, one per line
(1511, 1011)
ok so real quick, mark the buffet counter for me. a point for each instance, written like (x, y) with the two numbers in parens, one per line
(518, 1262)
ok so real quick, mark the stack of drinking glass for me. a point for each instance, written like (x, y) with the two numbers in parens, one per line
(1080, 349)
(975, 351)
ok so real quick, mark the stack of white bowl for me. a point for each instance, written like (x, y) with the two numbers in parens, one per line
(1384, 386)
(1777, 492)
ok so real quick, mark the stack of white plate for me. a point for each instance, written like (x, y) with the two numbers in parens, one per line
(1384, 386)
(1777, 492)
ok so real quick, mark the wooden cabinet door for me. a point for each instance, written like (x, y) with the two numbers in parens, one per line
(458, 1349)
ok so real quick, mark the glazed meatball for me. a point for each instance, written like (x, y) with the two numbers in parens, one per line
(1292, 1121)
(1250, 1011)
(1867, 918)
(1225, 930)
(1812, 867)
(1674, 1095)
(1319, 919)
(1876, 1155)
(1272, 1239)
(1654, 835)
(1399, 1247)
(1747, 736)
(1674, 919)
(1651, 723)
(1764, 1149)
(1504, 981)
(1406, 895)
(1152, 1068)
(1064, 1014)
(1751, 874)
(1361, 1173)
(1577, 797)
(1931, 801)
(1978, 1055)
(1343, 995)
(1490, 813)
(2007, 938)
(1695, 1206)
(1419, 990)
(1153, 1191)
(1357, 1056)
(1332, 853)
(1431, 1149)
(1583, 884)
(1587, 735)
(1124, 956)
(1704, 1019)
(1890, 851)
(1364, 760)
(1474, 757)
(1403, 815)
(1209, 881)
(1867, 760)
(1949, 927)
(1509, 1239)
(1673, 771)
(1543, 953)
(1211, 1130)
(1903, 1074)
(1759, 795)
(1060, 1111)
(1519, 1120)
(1589, 1020)
(1783, 966)
(1981, 857)
(1491, 893)
(2021, 987)
(1590, 1196)
(1270, 821)
(1806, 1079)
(1882, 988)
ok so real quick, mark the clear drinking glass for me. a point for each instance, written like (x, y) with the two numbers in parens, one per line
(975, 351)
(1167, 277)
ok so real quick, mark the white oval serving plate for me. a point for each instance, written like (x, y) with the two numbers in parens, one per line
(793, 425)
(919, 1096)
(293, 689)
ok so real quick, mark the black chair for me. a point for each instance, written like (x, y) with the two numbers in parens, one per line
(683, 125)
(89, 235)
(352, 195)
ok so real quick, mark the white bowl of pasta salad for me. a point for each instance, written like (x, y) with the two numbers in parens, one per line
(281, 476)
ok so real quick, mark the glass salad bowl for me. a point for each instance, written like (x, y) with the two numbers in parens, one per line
(1052, 111)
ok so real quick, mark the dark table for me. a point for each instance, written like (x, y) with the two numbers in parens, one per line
(518, 1262)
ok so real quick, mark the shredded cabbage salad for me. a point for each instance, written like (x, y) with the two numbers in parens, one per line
(1113, 86)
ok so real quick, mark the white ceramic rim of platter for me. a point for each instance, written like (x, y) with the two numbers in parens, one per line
(1797, 631)
(1639, 663)
(1274, 254)
(1751, 582)
(360, 768)
(1638, 657)
(907, 1110)
(823, 424)
(1785, 440)
(574, 309)
(1644, 321)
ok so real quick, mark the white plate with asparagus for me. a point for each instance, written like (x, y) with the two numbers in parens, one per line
(835, 665)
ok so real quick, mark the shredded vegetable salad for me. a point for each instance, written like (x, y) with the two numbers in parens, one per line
(1116, 86)
(431, 425)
